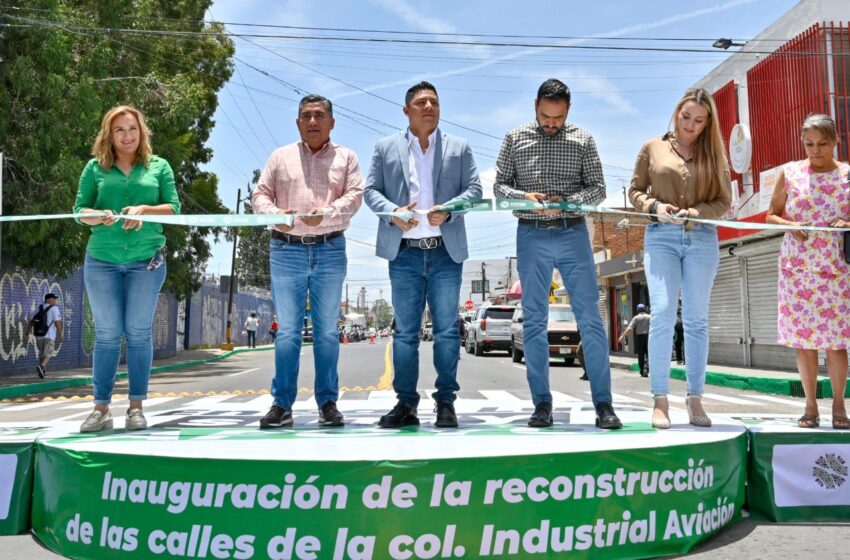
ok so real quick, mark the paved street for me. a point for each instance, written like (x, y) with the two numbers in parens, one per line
(244, 379)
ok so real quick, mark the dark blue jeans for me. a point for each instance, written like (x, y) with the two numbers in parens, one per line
(417, 276)
(539, 252)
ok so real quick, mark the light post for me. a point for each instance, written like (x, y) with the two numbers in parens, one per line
(228, 345)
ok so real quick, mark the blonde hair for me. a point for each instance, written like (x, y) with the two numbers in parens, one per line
(708, 150)
(103, 150)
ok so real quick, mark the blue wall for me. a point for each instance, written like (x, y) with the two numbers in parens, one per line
(203, 318)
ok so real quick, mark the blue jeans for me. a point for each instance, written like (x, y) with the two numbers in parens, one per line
(297, 270)
(123, 301)
(252, 339)
(675, 259)
(418, 275)
(539, 252)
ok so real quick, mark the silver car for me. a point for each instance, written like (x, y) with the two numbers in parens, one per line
(490, 329)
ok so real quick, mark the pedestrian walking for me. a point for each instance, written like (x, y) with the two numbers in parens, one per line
(47, 327)
(125, 260)
(422, 168)
(251, 324)
(640, 326)
(683, 174)
(321, 181)
(551, 160)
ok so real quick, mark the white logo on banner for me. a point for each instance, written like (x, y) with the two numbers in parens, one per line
(8, 467)
(811, 475)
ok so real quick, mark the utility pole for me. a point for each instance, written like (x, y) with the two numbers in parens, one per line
(510, 277)
(483, 282)
(625, 207)
(346, 299)
(228, 345)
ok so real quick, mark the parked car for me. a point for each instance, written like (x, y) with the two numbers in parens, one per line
(562, 331)
(467, 320)
(490, 329)
(307, 333)
(385, 333)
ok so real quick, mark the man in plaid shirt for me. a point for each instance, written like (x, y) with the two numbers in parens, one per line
(551, 160)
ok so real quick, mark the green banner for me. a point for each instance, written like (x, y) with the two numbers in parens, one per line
(799, 475)
(613, 503)
(16, 479)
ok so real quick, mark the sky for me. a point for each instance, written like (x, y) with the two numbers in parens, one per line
(621, 97)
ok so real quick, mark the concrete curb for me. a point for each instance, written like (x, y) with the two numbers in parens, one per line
(771, 385)
(15, 391)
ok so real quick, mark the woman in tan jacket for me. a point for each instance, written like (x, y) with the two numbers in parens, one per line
(682, 175)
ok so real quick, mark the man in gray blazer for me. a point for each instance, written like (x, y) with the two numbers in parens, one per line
(413, 174)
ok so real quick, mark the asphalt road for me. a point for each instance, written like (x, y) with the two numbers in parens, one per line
(364, 372)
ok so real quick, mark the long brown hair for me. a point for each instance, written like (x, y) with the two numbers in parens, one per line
(708, 150)
(103, 149)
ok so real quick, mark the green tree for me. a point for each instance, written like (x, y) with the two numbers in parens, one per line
(252, 267)
(61, 70)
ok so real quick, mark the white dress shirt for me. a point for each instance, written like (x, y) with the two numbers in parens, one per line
(421, 183)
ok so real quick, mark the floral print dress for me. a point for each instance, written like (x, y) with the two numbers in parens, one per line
(814, 280)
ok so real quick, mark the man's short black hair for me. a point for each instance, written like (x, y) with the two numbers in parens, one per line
(554, 90)
(418, 87)
(313, 98)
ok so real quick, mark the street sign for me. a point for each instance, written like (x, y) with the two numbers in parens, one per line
(468, 304)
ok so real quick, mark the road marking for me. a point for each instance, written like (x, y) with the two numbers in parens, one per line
(672, 398)
(260, 403)
(241, 372)
(558, 396)
(730, 400)
(28, 406)
(767, 398)
(621, 398)
(385, 383)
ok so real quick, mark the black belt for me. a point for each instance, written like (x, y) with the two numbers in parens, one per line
(556, 223)
(423, 243)
(305, 239)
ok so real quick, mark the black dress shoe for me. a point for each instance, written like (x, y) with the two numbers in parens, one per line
(329, 415)
(402, 414)
(276, 417)
(446, 417)
(605, 417)
(584, 377)
(542, 417)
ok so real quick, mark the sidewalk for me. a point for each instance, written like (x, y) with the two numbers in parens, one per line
(750, 379)
(14, 386)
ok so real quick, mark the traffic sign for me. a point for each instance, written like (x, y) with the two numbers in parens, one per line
(468, 304)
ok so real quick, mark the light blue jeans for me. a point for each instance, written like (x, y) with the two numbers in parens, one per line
(297, 270)
(677, 259)
(123, 302)
(539, 252)
(417, 276)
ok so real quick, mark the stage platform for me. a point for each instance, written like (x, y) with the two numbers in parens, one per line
(204, 482)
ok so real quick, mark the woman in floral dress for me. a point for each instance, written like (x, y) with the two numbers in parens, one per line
(814, 279)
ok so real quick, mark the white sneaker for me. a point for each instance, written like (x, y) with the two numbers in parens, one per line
(96, 422)
(135, 419)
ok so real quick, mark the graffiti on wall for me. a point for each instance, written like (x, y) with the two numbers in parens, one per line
(212, 309)
(20, 296)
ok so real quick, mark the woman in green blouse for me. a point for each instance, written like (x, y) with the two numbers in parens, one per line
(125, 258)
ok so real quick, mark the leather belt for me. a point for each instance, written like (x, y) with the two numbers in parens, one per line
(305, 239)
(556, 223)
(423, 243)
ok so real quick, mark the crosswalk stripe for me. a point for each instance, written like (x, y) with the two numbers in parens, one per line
(621, 398)
(498, 395)
(730, 400)
(777, 400)
(672, 398)
(558, 396)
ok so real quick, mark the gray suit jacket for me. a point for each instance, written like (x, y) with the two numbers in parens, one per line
(387, 188)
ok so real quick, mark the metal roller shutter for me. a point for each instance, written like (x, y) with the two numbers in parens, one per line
(762, 277)
(726, 327)
(603, 308)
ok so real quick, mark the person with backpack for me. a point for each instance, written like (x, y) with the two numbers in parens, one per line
(125, 264)
(46, 325)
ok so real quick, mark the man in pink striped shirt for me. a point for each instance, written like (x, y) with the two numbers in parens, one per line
(319, 182)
